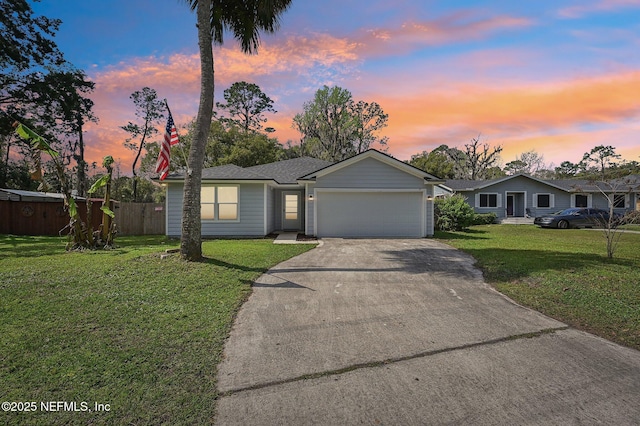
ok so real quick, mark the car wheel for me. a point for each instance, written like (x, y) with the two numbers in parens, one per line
(563, 224)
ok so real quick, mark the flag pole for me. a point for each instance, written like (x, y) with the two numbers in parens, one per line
(184, 155)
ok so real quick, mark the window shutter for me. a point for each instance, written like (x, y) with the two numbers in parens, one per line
(552, 201)
(477, 200)
(498, 200)
(535, 200)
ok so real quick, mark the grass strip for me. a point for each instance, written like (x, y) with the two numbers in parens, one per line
(564, 274)
(121, 327)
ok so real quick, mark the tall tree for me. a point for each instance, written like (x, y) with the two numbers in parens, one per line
(64, 105)
(335, 127)
(244, 19)
(247, 104)
(603, 157)
(529, 162)
(150, 110)
(479, 158)
(224, 146)
(370, 118)
(27, 53)
(437, 162)
(566, 170)
(27, 49)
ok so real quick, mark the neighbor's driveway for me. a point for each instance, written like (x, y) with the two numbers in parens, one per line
(406, 332)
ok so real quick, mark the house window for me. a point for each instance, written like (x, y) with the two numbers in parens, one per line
(582, 200)
(219, 202)
(619, 201)
(488, 200)
(543, 201)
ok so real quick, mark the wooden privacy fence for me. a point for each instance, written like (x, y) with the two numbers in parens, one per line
(42, 217)
(140, 218)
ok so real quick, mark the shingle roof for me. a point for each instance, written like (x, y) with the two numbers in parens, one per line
(569, 185)
(283, 172)
(288, 171)
(231, 171)
(463, 184)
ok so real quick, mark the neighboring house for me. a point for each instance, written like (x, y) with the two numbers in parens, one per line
(525, 196)
(368, 195)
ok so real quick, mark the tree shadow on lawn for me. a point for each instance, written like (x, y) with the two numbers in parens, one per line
(28, 246)
(33, 246)
(507, 264)
(227, 265)
(469, 234)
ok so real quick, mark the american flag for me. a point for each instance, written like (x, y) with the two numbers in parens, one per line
(170, 139)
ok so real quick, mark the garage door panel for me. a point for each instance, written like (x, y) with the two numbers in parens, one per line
(369, 214)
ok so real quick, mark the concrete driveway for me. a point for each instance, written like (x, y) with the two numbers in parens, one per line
(405, 332)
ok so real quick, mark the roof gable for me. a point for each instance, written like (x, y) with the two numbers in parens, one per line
(631, 182)
(462, 185)
(371, 153)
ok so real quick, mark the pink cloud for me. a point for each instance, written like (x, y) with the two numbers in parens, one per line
(586, 8)
(429, 104)
(459, 26)
(541, 114)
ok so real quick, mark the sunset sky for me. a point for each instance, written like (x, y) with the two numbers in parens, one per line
(559, 77)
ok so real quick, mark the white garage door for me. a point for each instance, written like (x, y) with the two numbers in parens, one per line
(369, 214)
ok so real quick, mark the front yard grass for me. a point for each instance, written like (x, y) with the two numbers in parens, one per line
(562, 273)
(120, 327)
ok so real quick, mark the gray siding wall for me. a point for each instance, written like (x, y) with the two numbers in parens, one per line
(373, 174)
(429, 216)
(369, 173)
(277, 206)
(251, 213)
(524, 191)
(309, 204)
(174, 209)
(561, 199)
(599, 201)
(271, 216)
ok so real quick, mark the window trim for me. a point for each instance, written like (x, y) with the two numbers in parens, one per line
(552, 201)
(589, 200)
(216, 204)
(479, 200)
(624, 200)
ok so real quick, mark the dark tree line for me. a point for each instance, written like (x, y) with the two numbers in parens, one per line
(38, 87)
(480, 162)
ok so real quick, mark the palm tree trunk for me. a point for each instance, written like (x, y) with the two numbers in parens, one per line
(191, 239)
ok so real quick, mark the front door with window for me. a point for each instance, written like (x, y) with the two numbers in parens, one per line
(291, 218)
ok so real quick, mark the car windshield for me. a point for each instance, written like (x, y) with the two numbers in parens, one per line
(568, 212)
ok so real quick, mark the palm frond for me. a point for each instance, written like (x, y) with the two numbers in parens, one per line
(245, 19)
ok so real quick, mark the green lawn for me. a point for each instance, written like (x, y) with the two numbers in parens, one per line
(121, 327)
(562, 273)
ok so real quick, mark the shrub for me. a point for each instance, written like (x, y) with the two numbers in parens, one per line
(484, 218)
(631, 217)
(453, 213)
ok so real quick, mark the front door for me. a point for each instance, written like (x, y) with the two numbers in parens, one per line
(291, 211)
(509, 205)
